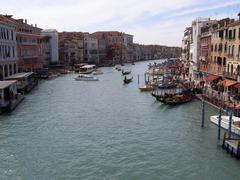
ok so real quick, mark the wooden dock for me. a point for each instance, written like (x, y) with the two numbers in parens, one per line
(231, 145)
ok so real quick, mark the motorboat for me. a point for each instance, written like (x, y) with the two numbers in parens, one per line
(118, 67)
(97, 72)
(87, 69)
(225, 123)
(84, 77)
(125, 72)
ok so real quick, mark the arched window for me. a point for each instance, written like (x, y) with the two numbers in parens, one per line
(232, 69)
(238, 69)
(6, 70)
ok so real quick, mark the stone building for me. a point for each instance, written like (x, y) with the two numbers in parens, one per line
(28, 44)
(8, 49)
(91, 54)
(71, 48)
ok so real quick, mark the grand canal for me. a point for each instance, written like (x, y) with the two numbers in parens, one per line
(66, 129)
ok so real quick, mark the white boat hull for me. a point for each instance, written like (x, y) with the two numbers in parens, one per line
(225, 123)
(85, 79)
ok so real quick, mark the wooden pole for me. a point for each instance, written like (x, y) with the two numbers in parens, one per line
(138, 80)
(230, 125)
(145, 77)
(219, 123)
(203, 113)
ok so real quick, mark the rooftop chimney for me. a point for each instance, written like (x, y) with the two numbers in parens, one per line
(239, 16)
(35, 25)
(25, 21)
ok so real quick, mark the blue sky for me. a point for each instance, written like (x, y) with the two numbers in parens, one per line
(150, 21)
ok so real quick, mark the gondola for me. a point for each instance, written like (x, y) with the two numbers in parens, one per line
(126, 72)
(175, 98)
(127, 81)
(178, 99)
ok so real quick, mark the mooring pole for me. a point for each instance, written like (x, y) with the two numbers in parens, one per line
(203, 113)
(219, 123)
(138, 79)
(230, 125)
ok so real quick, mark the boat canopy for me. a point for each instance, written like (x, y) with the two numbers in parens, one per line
(88, 66)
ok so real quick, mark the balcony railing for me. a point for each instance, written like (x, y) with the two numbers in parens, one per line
(230, 75)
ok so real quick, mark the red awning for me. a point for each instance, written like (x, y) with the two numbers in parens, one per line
(211, 77)
(237, 86)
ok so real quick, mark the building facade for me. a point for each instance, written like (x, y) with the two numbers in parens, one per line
(71, 48)
(28, 44)
(52, 36)
(91, 54)
(195, 46)
(8, 49)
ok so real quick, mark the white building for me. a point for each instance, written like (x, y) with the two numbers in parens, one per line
(128, 43)
(8, 51)
(53, 34)
(195, 45)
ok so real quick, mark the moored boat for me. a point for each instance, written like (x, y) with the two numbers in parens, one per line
(225, 123)
(83, 77)
(146, 88)
(178, 99)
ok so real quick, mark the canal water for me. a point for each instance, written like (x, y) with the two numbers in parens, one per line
(67, 129)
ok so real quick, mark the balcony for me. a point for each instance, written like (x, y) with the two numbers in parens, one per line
(230, 75)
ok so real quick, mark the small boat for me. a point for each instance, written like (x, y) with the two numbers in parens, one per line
(118, 67)
(97, 72)
(83, 77)
(125, 72)
(225, 123)
(146, 88)
(127, 81)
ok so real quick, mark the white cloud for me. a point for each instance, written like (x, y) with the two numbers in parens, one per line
(124, 15)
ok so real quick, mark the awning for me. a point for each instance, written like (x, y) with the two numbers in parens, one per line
(237, 86)
(211, 78)
(228, 82)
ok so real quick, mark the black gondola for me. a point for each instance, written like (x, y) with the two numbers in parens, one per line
(126, 72)
(127, 81)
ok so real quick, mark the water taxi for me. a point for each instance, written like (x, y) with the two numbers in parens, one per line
(84, 77)
(87, 69)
